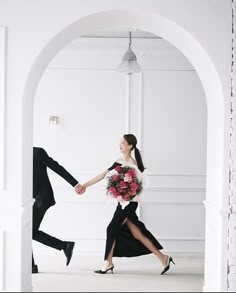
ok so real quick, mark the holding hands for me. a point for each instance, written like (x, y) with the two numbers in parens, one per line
(80, 189)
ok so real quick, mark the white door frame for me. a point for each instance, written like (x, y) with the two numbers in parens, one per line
(218, 119)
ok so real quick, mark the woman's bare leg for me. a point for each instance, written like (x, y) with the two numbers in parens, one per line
(147, 242)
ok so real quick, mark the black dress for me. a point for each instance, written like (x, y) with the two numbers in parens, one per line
(126, 245)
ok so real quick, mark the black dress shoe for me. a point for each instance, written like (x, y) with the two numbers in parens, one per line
(68, 250)
(35, 269)
(170, 259)
(104, 272)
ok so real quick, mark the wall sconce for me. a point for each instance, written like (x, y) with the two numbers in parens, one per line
(53, 121)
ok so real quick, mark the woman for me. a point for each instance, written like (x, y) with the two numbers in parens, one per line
(126, 235)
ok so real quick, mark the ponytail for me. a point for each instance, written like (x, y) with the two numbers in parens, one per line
(132, 140)
(138, 159)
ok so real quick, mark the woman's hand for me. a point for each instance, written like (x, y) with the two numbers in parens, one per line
(83, 189)
(80, 189)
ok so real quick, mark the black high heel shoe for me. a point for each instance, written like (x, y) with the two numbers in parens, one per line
(170, 259)
(104, 272)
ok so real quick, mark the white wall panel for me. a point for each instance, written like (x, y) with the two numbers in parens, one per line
(175, 123)
(2, 104)
(174, 220)
(87, 137)
(27, 256)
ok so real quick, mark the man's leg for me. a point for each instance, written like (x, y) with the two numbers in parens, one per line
(37, 219)
(38, 215)
(46, 239)
(34, 266)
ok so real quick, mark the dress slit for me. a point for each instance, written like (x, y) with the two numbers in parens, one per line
(126, 244)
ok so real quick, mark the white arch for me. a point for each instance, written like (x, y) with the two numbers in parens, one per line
(218, 122)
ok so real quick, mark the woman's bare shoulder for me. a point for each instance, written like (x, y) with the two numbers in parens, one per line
(119, 160)
(134, 162)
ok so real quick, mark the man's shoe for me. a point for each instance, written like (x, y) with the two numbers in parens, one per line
(35, 269)
(68, 250)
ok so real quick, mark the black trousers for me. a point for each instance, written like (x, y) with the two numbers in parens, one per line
(40, 236)
(126, 245)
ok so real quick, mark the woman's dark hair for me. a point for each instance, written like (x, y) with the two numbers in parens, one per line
(132, 140)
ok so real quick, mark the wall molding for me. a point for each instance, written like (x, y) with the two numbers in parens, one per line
(175, 175)
(2, 106)
(230, 213)
(127, 103)
(154, 189)
(148, 174)
(175, 189)
(112, 69)
(141, 111)
(172, 203)
(150, 202)
(174, 238)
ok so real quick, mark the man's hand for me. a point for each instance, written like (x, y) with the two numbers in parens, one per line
(80, 189)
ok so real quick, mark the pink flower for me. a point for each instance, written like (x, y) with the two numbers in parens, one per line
(128, 178)
(132, 192)
(131, 172)
(126, 197)
(134, 186)
(112, 190)
(116, 194)
(115, 177)
(123, 184)
(118, 169)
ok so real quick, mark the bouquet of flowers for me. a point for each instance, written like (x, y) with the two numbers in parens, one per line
(124, 184)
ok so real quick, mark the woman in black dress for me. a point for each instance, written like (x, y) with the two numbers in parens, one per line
(126, 235)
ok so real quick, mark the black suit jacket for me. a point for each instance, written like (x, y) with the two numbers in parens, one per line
(42, 189)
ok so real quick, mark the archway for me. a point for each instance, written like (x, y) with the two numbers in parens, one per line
(218, 116)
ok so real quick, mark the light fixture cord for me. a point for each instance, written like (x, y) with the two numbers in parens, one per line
(130, 39)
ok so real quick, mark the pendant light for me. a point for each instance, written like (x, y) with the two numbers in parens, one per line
(129, 64)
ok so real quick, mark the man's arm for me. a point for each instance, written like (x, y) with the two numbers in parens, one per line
(58, 169)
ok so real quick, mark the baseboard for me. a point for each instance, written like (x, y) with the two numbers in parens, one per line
(51, 252)
(29, 289)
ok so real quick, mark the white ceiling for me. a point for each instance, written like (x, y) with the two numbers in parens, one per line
(122, 34)
(104, 38)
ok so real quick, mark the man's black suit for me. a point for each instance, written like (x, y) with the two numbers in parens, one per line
(43, 194)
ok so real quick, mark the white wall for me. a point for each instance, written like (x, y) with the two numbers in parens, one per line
(36, 30)
(164, 107)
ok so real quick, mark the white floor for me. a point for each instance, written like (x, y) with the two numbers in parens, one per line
(130, 275)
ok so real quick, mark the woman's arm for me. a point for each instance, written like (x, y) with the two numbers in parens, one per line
(96, 179)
